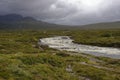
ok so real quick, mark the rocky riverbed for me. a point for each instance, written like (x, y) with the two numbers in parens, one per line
(66, 43)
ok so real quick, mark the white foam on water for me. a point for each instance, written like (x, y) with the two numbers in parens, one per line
(65, 43)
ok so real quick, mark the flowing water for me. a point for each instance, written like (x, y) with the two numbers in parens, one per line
(65, 43)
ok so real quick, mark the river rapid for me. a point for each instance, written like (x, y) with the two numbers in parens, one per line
(66, 43)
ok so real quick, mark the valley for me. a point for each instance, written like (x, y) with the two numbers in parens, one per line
(22, 58)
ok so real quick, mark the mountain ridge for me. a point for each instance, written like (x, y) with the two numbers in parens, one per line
(16, 21)
(14, 18)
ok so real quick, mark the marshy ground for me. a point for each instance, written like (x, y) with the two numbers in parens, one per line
(22, 59)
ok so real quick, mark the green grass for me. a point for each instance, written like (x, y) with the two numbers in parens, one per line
(21, 58)
(95, 73)
(108, 38)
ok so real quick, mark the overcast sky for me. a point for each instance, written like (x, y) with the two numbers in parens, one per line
(75, 12)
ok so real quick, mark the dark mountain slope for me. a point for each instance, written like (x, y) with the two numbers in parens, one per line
(15, 21)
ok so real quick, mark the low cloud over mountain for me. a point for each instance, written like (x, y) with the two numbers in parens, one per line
(75, 12)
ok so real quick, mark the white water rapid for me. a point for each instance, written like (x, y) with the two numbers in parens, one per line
(65, 43)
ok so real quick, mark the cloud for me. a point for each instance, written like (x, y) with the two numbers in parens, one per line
(75, 12)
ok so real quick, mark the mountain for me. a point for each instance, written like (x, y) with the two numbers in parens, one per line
(10, 18)
(15, 21)
(14, 18)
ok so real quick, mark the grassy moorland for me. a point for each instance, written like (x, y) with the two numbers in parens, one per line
(108, 38)
(22, 59)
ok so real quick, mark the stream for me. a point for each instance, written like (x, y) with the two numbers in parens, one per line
(66, 43)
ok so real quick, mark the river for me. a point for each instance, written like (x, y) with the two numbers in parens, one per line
(66, 43)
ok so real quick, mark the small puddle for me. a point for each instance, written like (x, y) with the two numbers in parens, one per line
(65, 43)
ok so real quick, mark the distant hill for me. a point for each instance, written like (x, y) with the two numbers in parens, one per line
(14, 18)
(16, 21)
(105, 25)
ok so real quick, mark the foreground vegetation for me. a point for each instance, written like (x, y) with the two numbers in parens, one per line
(22, 59)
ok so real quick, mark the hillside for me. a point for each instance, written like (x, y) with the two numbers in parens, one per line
(105, 25)
(15, 21)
